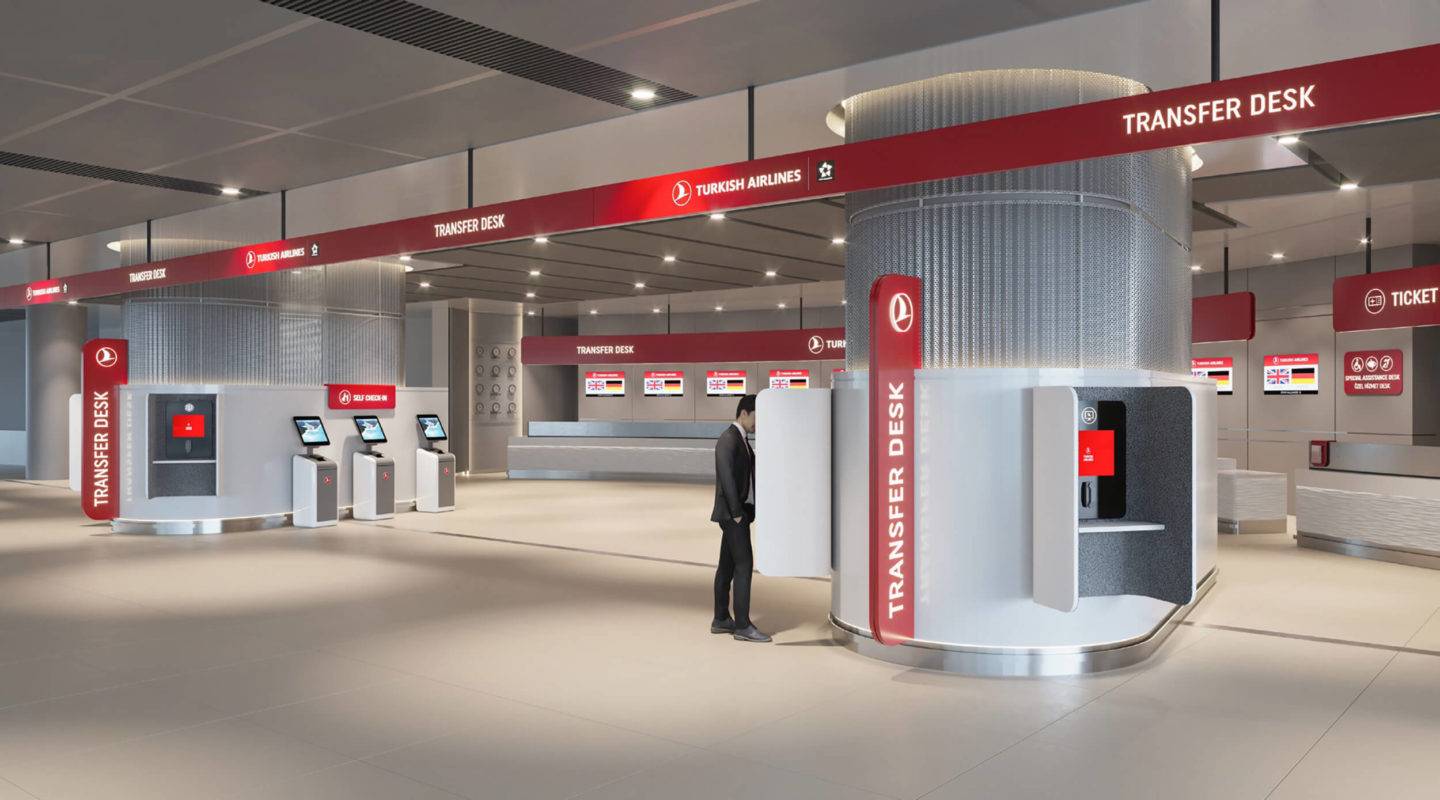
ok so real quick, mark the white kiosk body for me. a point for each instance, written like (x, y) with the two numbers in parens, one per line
(434, 480)
(314, 491)
(372, 486)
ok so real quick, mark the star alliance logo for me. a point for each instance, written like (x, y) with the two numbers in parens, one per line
(825, 170)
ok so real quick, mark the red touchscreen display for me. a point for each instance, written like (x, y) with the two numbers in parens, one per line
(1097, 453)
(187, 426)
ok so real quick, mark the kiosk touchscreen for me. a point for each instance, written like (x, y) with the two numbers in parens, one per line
(434, 468)
(314, 486)
(373, 479)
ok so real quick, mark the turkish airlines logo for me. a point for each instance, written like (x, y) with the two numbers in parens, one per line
(344, 397)
(681, 193)
(29, 294)
(817, 345)
(249, 259)
(902, 312)
(1374, 301)
(106, 357)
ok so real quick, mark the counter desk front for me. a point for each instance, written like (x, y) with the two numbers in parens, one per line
(1371, 500)
(237, 475)
(602, 450)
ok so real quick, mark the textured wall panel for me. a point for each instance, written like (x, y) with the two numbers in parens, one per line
(1076, 264)
(342, 323)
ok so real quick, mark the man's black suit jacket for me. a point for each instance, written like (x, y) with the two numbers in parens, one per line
(734, 464)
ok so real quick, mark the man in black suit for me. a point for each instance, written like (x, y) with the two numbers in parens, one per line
(735, 510)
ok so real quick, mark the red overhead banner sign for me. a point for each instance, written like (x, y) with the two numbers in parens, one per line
(1223, 318)
(810, 344)
(360, 396)
(106, 368)
(1379, 372)
(1401, 298)
(894, 357)
(1376, 87)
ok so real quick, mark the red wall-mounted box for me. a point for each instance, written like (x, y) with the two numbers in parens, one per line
(1097, 454)
(187, 426)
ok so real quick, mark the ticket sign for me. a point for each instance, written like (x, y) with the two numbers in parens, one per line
(789, 379)
(106, 368)
(1374, 372)
(894, 357)
(664, 384)
(1220, 370)
(1292, 373)
(725, 382)
(604, 384)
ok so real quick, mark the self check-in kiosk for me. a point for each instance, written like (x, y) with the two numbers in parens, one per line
(315, 481)
(434, 468)
(372, 481)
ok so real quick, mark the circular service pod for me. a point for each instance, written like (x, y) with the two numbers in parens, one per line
(494, 408)
(494, 388)
(512, 408)
(510, 390)
(495, 371)
(480, 370)
(479, 408)
(480, 350)
(512, 370)
(510, 352)
(494, 352)
(479, 388)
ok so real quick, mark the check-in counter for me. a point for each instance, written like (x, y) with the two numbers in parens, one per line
(1373, 501)
(622, 450)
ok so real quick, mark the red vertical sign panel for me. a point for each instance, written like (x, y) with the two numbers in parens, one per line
(894, 357)
(106, 368)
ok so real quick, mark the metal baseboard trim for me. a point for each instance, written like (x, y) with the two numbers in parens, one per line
(1254, 525)
(184, 527)
(1370, 550)
(998, 662)
(601, 475)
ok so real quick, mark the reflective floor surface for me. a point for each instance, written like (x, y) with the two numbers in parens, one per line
(565, 653)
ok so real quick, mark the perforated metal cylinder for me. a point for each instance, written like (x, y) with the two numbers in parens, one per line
(343, 323)
(1080, 264)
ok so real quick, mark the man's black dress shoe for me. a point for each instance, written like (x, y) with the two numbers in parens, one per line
(726, 625)
(750, 633)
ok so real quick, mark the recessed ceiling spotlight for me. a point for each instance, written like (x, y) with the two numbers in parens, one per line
(229, 191)
(1349, 186)
(14, 240)
(424, 284)
(717, 215)
(72, 303)
(1196, 162)
(643, 94)
(719, 308)
(529, 313)
(654, 311)
(541, 239)
(770, 273)
(1288, 140)
(404, 258)
(843, 301)
(530, 295)
(534, 273)
(779, 305)
(1277, 256)
(594, 311)
(409, 268)
(1195, 267)
(639, 284)
(838, 240)
(1365, 240)
(669, 259)
(113, 246)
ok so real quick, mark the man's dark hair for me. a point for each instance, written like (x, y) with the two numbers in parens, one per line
(747, 403)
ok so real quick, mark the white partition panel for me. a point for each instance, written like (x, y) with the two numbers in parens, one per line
(77, 432)
(792, 482)
(1056, 565)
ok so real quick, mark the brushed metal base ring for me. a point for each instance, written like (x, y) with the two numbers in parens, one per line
(1351, 547)
(992, 662)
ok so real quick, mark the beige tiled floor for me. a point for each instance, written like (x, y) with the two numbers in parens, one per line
(565, 654)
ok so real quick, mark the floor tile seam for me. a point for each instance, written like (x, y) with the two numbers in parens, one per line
(296, 777)
(19, 788)
(810, 707)
(574, 549)
(1331, 726)
(661, 763)
(1097, 698)
(1423, 625)
(1305, 637)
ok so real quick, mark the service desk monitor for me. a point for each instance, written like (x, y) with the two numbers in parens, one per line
(314, 479)
(372, 481)
(434, 468)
